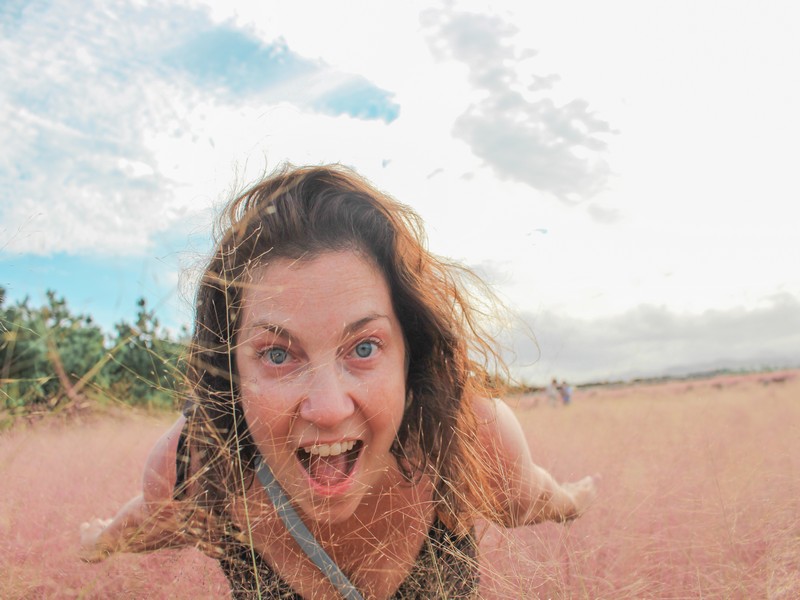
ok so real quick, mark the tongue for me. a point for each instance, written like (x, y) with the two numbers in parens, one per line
(328, 470)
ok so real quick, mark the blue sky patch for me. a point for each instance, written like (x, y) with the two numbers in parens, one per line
(106, 288)
(358, 98)
(231, 59)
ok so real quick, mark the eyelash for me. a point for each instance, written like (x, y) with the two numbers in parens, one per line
(263, 354)
(378, 344)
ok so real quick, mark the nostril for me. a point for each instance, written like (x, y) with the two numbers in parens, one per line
(326, 409)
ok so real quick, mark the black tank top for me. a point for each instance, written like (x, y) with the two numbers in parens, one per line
(446, 566)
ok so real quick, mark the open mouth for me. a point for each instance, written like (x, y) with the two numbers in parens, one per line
(330, 464)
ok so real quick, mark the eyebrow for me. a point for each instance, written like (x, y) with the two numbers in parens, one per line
(272, 328)
(349, 329)
(355, 326)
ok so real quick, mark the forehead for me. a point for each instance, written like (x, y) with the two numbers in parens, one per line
(337, 285)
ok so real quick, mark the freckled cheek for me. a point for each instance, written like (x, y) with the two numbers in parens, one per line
(269, 425)
(389, 405)
(267, 409)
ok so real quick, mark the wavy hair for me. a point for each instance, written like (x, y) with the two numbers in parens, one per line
(299, 213)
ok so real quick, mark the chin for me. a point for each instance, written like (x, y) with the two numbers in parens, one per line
(331, 512)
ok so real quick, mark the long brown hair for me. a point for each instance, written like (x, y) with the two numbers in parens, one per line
(299, 213)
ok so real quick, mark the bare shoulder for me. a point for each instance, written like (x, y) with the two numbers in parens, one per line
(160, 472)
(498, 425)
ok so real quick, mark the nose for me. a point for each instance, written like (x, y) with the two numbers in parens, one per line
(327, 403)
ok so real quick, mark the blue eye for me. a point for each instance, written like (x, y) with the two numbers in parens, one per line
(277, 356)
(365, 349)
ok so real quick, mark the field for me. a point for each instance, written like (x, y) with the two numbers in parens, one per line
(699, 498)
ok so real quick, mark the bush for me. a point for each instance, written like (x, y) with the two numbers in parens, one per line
(50, 357)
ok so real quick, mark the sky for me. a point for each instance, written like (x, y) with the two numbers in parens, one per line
(623, 173)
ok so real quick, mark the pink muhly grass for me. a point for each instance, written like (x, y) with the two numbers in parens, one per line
(55, 477)
(699, 498)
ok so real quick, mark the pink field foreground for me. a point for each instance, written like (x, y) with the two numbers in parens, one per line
(700, 498)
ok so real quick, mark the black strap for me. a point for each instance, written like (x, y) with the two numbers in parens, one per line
(304, 538)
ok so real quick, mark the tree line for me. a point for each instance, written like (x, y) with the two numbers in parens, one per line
(52, 358)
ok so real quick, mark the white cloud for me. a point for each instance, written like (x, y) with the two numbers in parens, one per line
(107, 143)
(655, 340)
(108, 147)
(75, 175)
(520, 133)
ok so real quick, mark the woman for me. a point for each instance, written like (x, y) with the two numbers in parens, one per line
(340, 439)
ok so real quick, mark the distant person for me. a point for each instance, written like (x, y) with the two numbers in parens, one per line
(340, 439)
(553, 393)
(565, 390)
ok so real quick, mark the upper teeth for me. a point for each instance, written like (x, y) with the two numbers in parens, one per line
(331, 449)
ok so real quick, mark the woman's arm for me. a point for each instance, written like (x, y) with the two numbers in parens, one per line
(150, 520)
(527, 493)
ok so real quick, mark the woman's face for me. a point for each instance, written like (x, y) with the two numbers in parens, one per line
(321, 361)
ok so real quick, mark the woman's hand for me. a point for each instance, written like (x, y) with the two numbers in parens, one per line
(528, 493)
(583, 492)
(92, 550)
